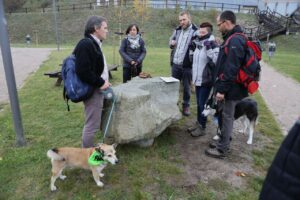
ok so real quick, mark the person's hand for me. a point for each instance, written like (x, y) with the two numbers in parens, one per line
(136, 64)
(213, 44)
(219, 96)
(105, 85)
(207, 44)
(132, 62)
(173, 42)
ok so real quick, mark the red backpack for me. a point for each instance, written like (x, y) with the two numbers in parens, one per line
(249, 72)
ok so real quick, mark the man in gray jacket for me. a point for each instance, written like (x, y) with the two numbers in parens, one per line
(180, 62)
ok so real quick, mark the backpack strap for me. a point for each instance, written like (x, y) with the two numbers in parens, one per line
(66, 98)
(230, 37)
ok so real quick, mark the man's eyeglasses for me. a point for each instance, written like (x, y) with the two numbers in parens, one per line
(220, 23)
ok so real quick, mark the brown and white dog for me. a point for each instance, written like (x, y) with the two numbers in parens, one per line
(78, 157)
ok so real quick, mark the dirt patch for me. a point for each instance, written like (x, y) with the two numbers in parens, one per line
(199, 167)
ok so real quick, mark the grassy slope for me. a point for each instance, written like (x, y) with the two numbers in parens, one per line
(142, 174)
(157, 26)
(286, 59)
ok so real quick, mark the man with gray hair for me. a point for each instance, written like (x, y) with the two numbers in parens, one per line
(180, 61)
(91, 68)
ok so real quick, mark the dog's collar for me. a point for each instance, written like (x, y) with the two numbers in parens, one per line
(96, 159)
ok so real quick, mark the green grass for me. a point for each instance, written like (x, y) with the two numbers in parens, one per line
(287, 63)
(142, 173)
(286, 59)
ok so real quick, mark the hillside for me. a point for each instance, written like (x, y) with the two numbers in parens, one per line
(157, 24)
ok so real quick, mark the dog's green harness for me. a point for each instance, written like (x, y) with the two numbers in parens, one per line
(96, 159)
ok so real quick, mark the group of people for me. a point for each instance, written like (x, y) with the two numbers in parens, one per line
(198, 58)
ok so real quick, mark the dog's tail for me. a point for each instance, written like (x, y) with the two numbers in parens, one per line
(53, 154)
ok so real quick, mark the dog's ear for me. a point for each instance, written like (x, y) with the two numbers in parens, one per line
(115, 145)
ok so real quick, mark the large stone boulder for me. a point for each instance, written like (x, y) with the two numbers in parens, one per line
(143, 110)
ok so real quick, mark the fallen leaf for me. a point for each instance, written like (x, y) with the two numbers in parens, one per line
(238, 173)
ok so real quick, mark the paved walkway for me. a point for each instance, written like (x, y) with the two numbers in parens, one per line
(25, 62)
(282, 95)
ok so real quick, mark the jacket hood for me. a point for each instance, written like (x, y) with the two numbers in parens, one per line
(236, 29)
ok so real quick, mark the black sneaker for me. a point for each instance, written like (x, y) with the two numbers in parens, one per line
(216, 153)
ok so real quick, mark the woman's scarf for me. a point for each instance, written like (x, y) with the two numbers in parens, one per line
(134, 41)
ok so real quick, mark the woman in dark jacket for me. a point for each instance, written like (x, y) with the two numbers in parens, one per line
(133, 52)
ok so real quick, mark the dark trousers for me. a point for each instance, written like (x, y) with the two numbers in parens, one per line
(129, 72)
(228, 109)
(185, 76)
(202, 94)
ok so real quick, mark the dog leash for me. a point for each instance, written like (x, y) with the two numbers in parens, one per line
(114, 98)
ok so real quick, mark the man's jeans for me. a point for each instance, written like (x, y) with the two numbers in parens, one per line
(201, 97)
(185, 76)
(227, 124)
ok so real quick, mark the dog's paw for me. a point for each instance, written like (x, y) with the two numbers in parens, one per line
(249, 142)
(101, 174)
(100, 184)
(53, 188)
(62, 177)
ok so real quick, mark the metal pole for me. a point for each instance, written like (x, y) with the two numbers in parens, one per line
(120, 29)
(268, 37)
(10, 78)
(55, 24)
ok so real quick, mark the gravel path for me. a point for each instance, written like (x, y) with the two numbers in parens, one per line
(282, 95)
(25, 62)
